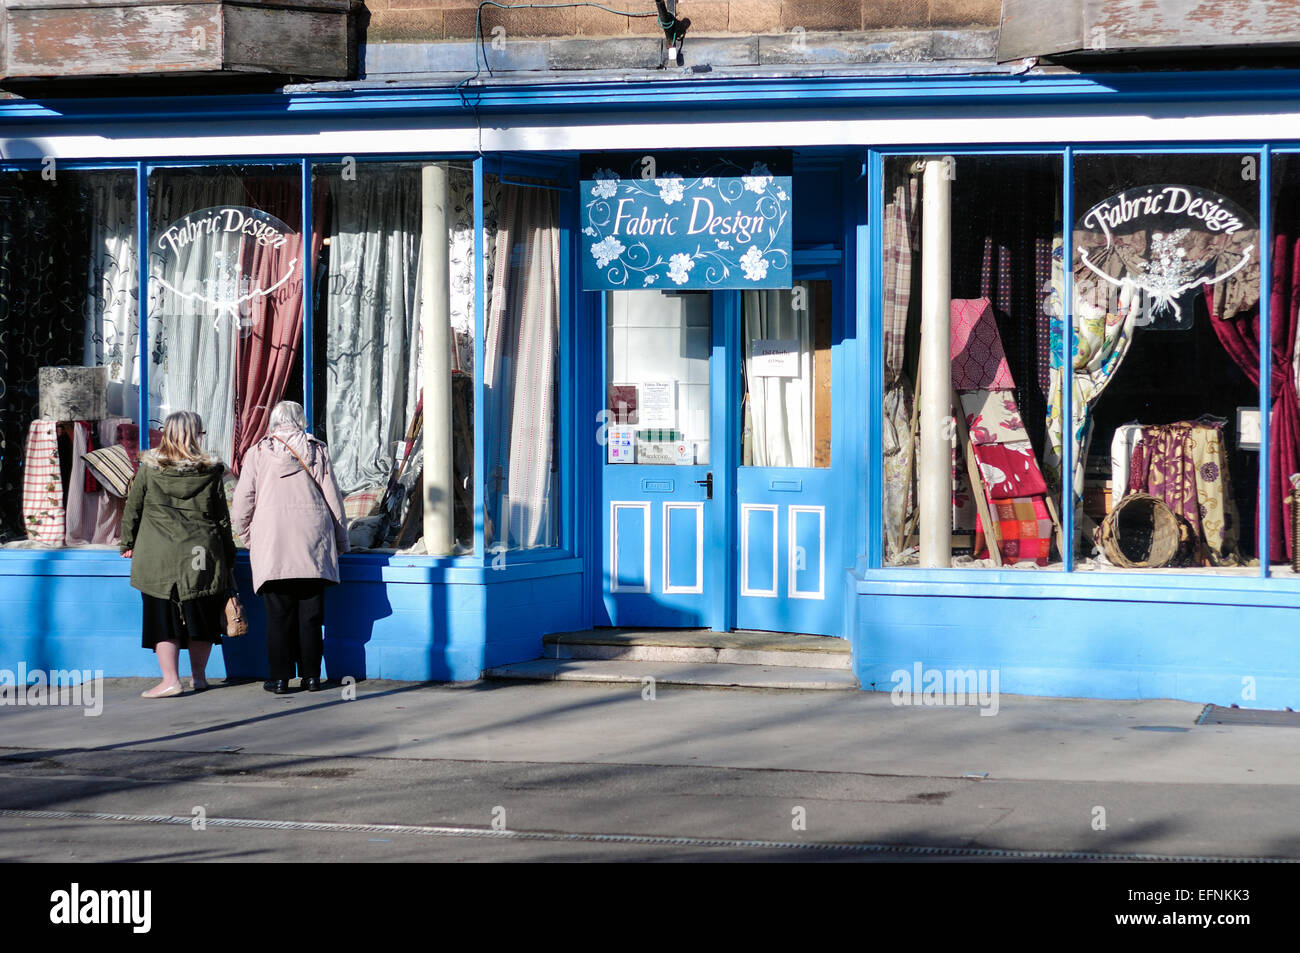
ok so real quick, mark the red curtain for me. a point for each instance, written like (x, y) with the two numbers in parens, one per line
(1240, 337)
(269, 349)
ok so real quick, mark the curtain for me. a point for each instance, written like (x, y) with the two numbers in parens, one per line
(111, 330)
(781, 408)
(1101, 340)
(901, 246)
(521, 340)
(372, 322)
(193, 351)
(269, 348)
(1234, 315)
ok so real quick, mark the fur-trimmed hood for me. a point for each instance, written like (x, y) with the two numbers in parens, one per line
(150, 458)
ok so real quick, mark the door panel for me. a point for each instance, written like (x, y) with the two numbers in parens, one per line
(657, 513)
(786, 485)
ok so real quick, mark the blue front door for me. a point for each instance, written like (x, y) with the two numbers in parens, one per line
(719, 462)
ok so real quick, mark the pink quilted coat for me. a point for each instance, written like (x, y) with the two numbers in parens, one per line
(293, 529)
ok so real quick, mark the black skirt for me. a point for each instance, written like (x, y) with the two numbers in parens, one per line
(197, 620)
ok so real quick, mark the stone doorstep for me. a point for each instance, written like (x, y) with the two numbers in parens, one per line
(703, 647)
(709, 675)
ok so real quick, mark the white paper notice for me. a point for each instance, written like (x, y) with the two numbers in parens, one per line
(775, 358)
(657, 405)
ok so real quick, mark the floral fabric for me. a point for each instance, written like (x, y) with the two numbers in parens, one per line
(1101, 341)
(992, 417)
(1009, 470)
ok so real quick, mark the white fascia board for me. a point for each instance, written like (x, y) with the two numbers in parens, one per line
(944, 125)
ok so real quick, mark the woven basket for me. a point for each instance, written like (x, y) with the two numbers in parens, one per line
(1142, 532)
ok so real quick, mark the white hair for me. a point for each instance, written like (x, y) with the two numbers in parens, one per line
(287, 414)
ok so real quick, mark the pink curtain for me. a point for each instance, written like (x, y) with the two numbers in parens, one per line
(268, 351)
(1239, 334)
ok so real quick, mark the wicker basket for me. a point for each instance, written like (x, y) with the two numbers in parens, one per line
(1142, 532)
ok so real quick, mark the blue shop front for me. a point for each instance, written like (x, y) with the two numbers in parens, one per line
(780, 354)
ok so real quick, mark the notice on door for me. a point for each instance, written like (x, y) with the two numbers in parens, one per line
(657, 405)
(775, 358)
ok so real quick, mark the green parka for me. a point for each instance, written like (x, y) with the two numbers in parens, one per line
(177, 521)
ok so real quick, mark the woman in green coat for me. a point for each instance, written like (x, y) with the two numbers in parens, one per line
(176, 532)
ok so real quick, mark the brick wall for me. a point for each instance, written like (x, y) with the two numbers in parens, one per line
(428, 20)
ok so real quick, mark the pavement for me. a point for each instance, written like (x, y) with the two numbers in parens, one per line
(564, 771)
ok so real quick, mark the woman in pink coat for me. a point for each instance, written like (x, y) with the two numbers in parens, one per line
(289, 511)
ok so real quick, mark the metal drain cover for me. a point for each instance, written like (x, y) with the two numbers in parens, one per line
(1259, 718)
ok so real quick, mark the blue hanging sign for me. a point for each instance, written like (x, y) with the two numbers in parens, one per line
(686, 221)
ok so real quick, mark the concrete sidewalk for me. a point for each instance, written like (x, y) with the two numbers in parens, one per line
(586, 758)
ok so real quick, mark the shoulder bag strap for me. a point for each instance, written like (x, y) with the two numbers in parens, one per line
(303, 463)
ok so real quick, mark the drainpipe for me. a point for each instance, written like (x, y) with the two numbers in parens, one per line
(934, 471)
(435, 324)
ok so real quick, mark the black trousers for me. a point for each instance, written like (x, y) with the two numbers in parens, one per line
(295, 613)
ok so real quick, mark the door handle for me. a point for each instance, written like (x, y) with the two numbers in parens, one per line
(707, 483)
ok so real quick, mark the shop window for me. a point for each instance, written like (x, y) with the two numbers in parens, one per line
(69, 379)
(1284, 417)
(657, 369)
(968, 450)
(521, 367)
(1166, 357)
(369, 351)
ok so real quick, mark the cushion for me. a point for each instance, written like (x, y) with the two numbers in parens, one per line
(363, 503)
(113, 469)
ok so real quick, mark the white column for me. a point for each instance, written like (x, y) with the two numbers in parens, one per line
(435, 324)
(934, 467)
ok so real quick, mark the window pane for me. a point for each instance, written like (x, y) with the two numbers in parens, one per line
(68, 277)
(369, 349)
(225, 299)
(1284, 420)
(1166, 296)
(521, 368)
(994, 273)
(787, 376)
(657, 354)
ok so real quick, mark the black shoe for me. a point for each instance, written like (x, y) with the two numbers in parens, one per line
(310, 683)
(277, 686)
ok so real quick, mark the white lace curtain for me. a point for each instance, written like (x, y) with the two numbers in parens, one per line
(780, 408)
(111, 336)
(192, 365)
(521, 341)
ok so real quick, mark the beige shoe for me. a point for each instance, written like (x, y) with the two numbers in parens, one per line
(165, 693)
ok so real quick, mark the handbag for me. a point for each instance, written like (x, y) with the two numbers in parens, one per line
(233, 621)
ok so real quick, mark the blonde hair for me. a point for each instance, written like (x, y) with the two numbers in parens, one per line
(180, 440)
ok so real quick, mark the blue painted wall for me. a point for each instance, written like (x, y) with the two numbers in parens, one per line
(385, 620)
(1193, 638)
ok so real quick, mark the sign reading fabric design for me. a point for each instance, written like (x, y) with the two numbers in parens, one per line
(239, 259)
(1168, 241)
(684, 221)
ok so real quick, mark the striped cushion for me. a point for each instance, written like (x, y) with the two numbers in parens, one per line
(112, 468)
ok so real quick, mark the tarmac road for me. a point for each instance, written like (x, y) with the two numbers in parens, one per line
(493, 772)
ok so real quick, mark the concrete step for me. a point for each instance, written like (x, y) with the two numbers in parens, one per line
(702, 646)
(709, 674)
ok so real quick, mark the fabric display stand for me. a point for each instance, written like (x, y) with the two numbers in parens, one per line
(1014, 507)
